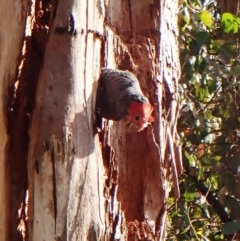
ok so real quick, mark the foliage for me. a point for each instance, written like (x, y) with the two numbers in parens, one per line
(209, 125)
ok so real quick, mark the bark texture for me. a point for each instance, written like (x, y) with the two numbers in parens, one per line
(142, 37)
(65, 168)
(84, 185)
(229, 6)
(11, 41)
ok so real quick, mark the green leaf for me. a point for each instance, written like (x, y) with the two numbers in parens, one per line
(199, 39)
(218, 42)
(203, 93)
(190, 187)
(235, 70)
(230, 23)
(229, 179)
(190, 158)
(229, 51)
(200, 232)
(175, 213)
(226, 113)
(230, 228)
(202, 38)
(189, 196)
(206, 18)
(214, 180)
(207, 161)
(212, 85)
(208, 114)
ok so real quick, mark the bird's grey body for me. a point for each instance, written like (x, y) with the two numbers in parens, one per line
(116, 90)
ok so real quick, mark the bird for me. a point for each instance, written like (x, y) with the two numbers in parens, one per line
(120, 98)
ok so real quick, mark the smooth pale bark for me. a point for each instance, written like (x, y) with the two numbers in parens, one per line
(12, 27)
(65, 167)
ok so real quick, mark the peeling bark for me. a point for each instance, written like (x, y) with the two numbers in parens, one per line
(84, 185)
(11, 181)
(146, 163)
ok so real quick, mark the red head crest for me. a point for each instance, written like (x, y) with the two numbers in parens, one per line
(139, 116)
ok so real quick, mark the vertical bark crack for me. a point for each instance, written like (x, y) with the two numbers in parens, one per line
(130, 18)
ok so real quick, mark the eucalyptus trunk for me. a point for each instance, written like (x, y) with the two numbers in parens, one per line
(64, 180)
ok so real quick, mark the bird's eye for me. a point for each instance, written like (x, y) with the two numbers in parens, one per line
(137, 117)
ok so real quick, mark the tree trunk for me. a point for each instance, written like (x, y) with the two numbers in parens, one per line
(229, 6)
(141, 166)
(65, 167)
(84, 185)
(11, 40)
